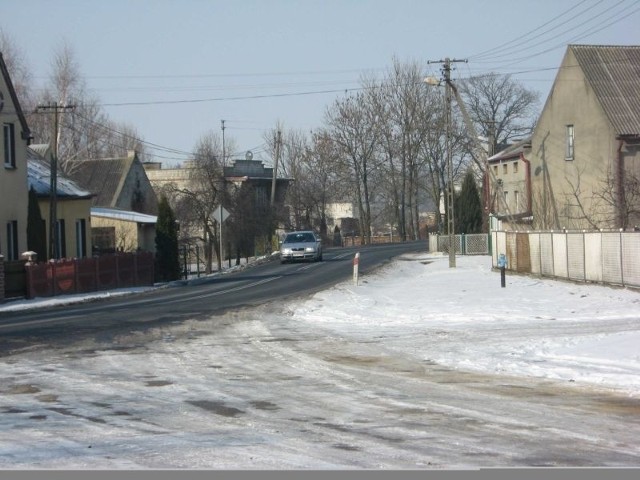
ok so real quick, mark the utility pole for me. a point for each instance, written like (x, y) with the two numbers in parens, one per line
(446, 70)
(54, 250)
(224, 159)
(275, 168)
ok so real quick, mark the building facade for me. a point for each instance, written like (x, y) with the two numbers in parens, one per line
(16, 137)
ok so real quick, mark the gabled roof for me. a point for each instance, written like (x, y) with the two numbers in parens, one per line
(512, 151)
(26, 133)
(614, 74)
(104, 177)
(39, 177)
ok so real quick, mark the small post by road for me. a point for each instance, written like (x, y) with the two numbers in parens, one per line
(356, 263)
(502, 263)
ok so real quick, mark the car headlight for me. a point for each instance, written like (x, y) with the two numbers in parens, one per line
(285, 251)
(310, 249)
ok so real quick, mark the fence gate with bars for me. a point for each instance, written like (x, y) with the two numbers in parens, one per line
(471, 244)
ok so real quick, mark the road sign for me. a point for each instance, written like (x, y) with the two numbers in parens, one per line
(220, 214)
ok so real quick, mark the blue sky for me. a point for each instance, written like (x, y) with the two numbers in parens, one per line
(175, 69)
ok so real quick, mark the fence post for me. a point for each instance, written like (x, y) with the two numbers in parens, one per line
(54, 273)
(135, 269)
(1, 278)
(621, 260)
(96, 270)
(117, 271)
(356, 263)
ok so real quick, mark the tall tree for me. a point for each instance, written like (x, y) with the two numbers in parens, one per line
(36, 227)
(167, 255)
(352, 124)
(16, 61)
(501, 108)
(468, 206)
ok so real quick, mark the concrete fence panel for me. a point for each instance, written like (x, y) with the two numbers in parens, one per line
(560, 255)
(534, 253)
(601, 257)
(630, 255)
(593, 257)
(611, 258)
(575, 256)
(546, 254)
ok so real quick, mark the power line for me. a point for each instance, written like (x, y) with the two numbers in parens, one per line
(526, 39)
(521, 38)
(546, 40)
(227, 99)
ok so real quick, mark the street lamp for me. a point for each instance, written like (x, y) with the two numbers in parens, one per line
(433, 81)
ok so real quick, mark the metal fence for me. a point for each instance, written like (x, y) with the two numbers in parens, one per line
(472, 244)
(601, 257)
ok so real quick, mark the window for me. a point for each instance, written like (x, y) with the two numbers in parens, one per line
(61, 247)
(516, 199)
(81, 238)
(8, 131)
(12, 240)
(570, 139)
(103, 239)
(495, 170)
(505, 168)
(515, 167)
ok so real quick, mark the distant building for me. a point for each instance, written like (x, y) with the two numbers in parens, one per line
(120, 183)
(122, 231)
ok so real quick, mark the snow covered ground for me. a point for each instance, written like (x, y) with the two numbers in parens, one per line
(298, 387)
(533, 327)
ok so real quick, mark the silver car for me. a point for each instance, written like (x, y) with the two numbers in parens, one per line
(301, 245)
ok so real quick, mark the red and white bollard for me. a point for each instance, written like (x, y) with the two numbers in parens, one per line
(356, 262)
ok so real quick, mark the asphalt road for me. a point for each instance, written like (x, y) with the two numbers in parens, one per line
(224, 378)
(196, 299)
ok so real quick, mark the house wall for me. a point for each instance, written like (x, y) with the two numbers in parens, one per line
(160, 177)
(557, 181)
(13, 181)
(137, 194)
(511, 174)
(69, 210)
(130, 236)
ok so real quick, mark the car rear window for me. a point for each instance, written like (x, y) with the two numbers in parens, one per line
(299, 237)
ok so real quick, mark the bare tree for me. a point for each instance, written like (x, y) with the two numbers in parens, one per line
(195, 204)
(293, 152)
(501, 108)
(325, 174)
(613, 202)
(353, 125)
(81, 134)
(408, 111)
(17, 64)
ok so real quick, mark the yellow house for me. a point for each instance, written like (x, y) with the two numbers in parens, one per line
(13, 172)
(585, 150)
(123, 231)
(73, 206)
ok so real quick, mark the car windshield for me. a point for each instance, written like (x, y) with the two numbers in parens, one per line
(299, 238)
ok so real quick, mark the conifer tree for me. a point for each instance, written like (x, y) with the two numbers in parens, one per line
(167, 255)
(468, 207)
(36, 229)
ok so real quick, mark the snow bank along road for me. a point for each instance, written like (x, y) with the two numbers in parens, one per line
(352, 378)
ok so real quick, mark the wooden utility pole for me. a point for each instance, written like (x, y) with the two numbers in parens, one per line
(54, 250)
(275, 168)
(224, 160)
(446, 70)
